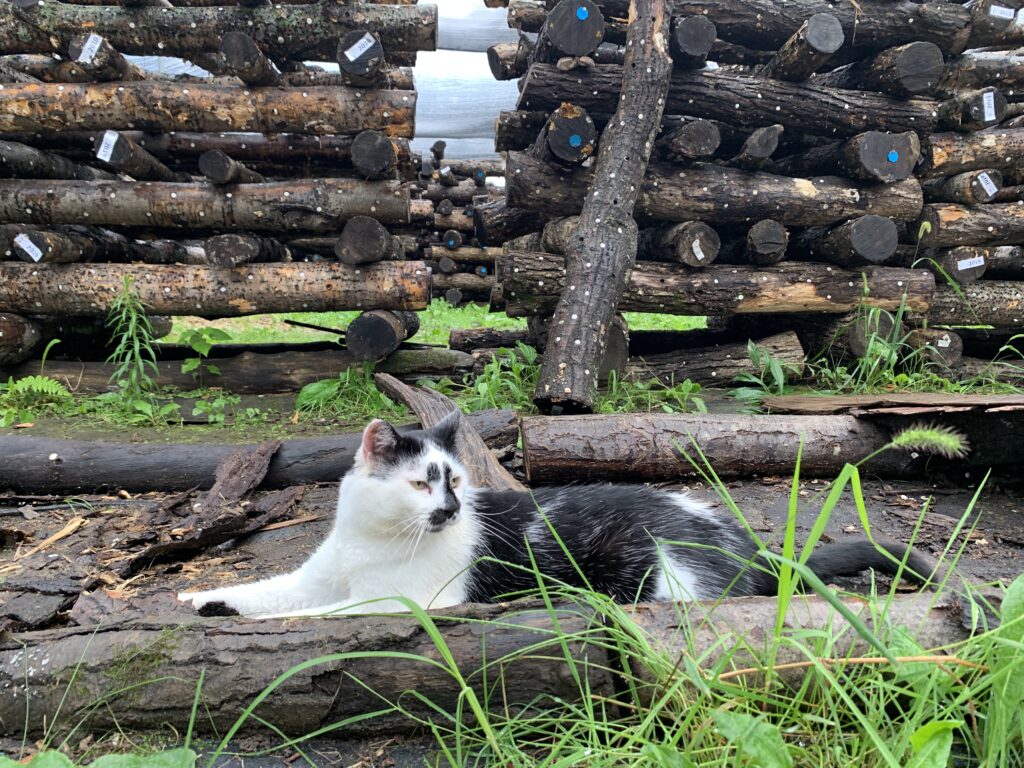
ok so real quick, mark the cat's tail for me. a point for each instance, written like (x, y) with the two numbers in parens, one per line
(849, 558)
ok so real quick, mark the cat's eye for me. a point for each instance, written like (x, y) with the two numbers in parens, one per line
(419, 485)
(455, 481)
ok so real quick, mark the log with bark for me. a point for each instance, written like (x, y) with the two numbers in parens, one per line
(846, 338)
(967, 188)
(360, 58)
(716, 195)
(313, 205)
(89, 289)
(868, 239)
(871, 156)
(902, 71)
(807, 51)
(717, 365)
(99, 60)
(599, 260)
(281, 31)
(161, 106)
(693, 38)
(692, 140)
(21, 161)
(373, 155)
(976, 69)
(572, 28)
(83, 466)
(377, 333)
(531, 283)
(568, 137)
(995, 303)
(288, 154)
(127, 157)
(950, 225)
(64, 245)
(964, 264)
(18, 338)
(938, 347)
(495, 222)
(646, 447)
(365, 240)
(528, 641)
(249, 372)
(946, 154)
(766, 243)
(243, 58)
(801, 107)
(758, 148)
(234, 250)
(1004, 262)
(221, 169)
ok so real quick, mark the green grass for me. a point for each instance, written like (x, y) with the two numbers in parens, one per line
(435, 323)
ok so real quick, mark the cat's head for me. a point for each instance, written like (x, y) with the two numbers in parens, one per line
(416, 475)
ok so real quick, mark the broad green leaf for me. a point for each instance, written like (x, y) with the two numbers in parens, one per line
(172, 758)
(1012, 630)
(758, 740)
(932, 743)
(190, 364)
(51, 758)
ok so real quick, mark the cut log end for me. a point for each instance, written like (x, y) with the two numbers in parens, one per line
(571, 134)
(919, 66)
(692, 39)
(885, 157)
(374, 155)
(767, 241)
(575, 27)
(376, 334)
(824, 33)
(363, 240)
(360, 58)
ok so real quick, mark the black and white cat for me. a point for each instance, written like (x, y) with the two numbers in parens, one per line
(408, 523)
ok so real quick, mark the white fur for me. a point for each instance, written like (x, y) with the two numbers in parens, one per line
(379, 547)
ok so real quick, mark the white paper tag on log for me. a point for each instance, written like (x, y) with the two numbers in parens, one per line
(1001, 12)
(107, 146)
(698, 251)
(363, 44)
(971, 263)
(23, 242)
(987, 184)
(988, 100)
(92, 44)
(945, 341)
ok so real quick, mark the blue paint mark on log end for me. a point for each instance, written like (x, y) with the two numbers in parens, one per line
(575, 140)
(582, 13)
(893, 156)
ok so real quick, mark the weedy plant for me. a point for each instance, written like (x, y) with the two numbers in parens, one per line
(134, 359)
(24, 398)
(771, 378)
(351, 396)
(201, 341)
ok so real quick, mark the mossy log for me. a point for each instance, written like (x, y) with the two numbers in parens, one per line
(314, 205)
(158, 106)
(531, 283)
(89, 289)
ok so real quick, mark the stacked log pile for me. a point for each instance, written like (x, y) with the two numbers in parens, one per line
(265, 185)
(813, 158)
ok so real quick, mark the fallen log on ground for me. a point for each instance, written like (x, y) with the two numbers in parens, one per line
(646, 447)
(531, 283)
(716, 195)
(89, 289)
(160, 106)
(81, 466)
(251, 372)
(311, 204)
(153, 639)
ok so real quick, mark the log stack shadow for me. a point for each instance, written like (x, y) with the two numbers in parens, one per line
(806, 171)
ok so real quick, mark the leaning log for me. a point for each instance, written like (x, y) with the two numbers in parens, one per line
(807, 50)
(281, 31)
(716, 195)
(100, 60)
(243, 58)
(221, 169)
(314, 205)
(599, 259)
(158, 106)
(646, 447)
(800, 107)
(84, 466)
(528, 641)
(127, 157)
(89, 289)
(531, 283)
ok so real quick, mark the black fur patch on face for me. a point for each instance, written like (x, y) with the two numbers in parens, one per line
(433, 473)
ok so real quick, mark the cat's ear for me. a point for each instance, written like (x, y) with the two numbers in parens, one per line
(380, 441)
(446, 430)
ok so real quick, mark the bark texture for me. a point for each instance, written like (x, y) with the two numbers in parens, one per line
(89, 289)
(599, 261)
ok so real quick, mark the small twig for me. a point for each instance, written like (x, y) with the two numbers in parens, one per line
(73, 525)
(313, 326)
(287, 523)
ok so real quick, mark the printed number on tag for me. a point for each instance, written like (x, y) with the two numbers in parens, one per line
(92, 44)
(971, 263)
(107, 146)
(362, 45)
(1001, 12)
(989, 102)
(987, 184)
(23, 242)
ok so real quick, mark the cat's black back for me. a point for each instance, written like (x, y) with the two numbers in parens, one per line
(612, 533)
